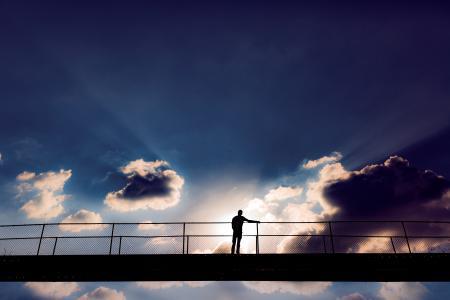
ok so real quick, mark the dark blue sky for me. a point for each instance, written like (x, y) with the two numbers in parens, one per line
(251, 86)
(234, 95)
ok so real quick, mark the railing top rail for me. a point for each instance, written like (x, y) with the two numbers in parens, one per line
(228, 222)
(228, 235)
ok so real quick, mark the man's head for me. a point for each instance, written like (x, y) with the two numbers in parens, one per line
(240, 212)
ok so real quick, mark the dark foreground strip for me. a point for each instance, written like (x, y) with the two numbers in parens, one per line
(215, 267)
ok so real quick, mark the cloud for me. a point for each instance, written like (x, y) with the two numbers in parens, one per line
(352, 296)
(293, 209)
(311, 164)
(103, 293)
(82, 216)
(162, 241)
(24, 176)
(159, 285)
(45, 190)
(150, 185)
(298, 288)
(221, 248)
(283, 192)
(314, 189)
(390, 190)
(402, 291)
(142, 167)
(1, 158)
(269, 208)
(393, 190)
(53, 290)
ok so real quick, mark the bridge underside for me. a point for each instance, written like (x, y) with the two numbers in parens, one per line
(216, 267)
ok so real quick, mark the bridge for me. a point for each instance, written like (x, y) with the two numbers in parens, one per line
(275, 251)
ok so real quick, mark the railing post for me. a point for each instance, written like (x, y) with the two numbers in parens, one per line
(40, 239)
(187, 244)
(120, 243)
(324, 244)
(393, 246)
(54, 246)
(257, 238)
(331, 237)
(112, 237)
(406, 236)
(184, 234)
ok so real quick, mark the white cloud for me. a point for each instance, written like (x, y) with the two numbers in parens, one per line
(222, 247)
(46, 189)
(314, 192)
(24, 176)
(283, 192)
(53, 290)
(298, 288)
(82, 216)
(313, 207)
(162, 241)
(352, 296)
(311, 164)
(103, 293)
(142, 167)
(197, 284)
(159, 285)
(260, 208)
(293, 209)
(1, 158)
(402, 291)
(149, 187)
(294, 212)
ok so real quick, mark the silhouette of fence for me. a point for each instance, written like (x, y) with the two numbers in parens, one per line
(215, 237)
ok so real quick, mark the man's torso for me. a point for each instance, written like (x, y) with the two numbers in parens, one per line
(237, 223)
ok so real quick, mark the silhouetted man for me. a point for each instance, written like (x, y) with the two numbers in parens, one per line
(237, 223)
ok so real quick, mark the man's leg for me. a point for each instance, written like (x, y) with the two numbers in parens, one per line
(239, 237)
(234, 243)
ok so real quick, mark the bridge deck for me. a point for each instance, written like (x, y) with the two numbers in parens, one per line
(214, 267)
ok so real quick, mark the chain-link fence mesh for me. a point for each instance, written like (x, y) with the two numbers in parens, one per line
(20, 231)
(211, 238)
(196, 244)
(151, 245)
(367, 228)
(148, 229)
(28, 246)
(82, 245)
(294, 244)
(76, 230)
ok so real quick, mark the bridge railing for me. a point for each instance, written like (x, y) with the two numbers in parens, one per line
(215, 237)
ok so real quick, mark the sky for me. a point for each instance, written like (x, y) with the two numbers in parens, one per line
(130, 111)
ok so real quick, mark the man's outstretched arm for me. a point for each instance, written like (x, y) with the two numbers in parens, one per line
(251, 221)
